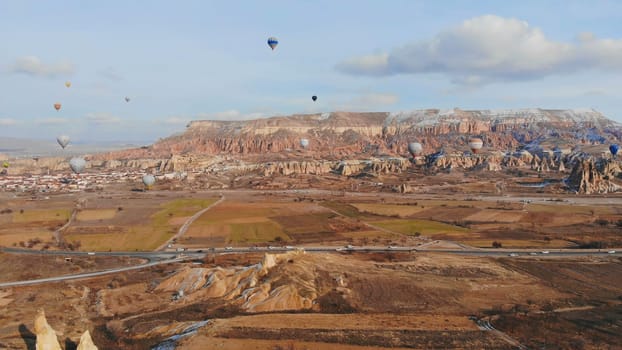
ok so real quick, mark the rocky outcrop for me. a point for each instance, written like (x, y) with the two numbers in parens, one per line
(403, 188)
(589, 176)
(86, 343)
(298, 167)
(47, 338)
(46, 335)
(256, 288)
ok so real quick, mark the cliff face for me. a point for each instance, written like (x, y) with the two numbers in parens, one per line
(343, 134)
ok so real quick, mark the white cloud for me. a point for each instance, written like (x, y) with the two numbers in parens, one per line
(491, 48)
(52, 121)
(32, 65)
(7, 121)
(102, 118)
(231, 114)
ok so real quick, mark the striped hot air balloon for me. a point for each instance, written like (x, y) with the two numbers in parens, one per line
(475, 143)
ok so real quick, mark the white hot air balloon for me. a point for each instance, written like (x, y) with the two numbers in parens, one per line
(148, 180)
(415, 148)
(63, 140)
(475, 144)
(304, 143)
(77, 164)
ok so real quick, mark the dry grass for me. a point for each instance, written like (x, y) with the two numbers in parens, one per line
(388, 209)
(10, 237)
(246, 223)
(519, 243)
(161, 225)
(424, 227)
(41, 215)
(96, 214)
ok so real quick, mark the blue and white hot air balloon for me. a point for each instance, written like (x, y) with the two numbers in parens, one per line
(272, 42)
(304, 143)
(614, 149)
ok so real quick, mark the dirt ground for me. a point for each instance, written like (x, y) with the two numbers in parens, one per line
(361, 301)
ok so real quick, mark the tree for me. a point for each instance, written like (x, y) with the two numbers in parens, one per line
(496, 244)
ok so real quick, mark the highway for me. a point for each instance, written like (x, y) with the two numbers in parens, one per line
(201, 252)
(166, 257)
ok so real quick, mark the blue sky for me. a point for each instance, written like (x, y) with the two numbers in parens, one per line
(186, 60)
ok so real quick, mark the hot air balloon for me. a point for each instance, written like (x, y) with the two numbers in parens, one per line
(127, 99)
(77, 164)
(614, 149)
(304, 143)
(272, 42)
(475, 143)
(148, 180)
(5, 164)
(314, 98)
(415, 148)
(63, 140)
(68, 84)
(57, 106)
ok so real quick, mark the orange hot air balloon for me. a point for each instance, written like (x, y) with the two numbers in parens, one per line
(57, 106)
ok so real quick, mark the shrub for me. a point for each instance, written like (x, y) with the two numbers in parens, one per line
(496, 244)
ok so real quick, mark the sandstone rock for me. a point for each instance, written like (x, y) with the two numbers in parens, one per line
(589, 176)
(86, 343)
(46, 336)
(403, 188)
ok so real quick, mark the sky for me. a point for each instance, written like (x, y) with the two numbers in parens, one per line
(179, 61)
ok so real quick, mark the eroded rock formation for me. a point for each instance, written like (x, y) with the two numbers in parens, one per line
(257, 288)
(589, 176)
(47, 338)
(46, 335)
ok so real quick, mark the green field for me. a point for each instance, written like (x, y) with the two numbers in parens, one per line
(256, 232)
(388, 209)
(41, 215)
(343, 209)
(144, 237)
(424, 227)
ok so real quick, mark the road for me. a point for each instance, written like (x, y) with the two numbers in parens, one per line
(89, 274)
(167, 257)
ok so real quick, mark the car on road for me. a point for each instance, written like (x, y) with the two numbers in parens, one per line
(91, 253)
(513, 254)
(533, 253)
(349, 246)
(545, 252)
(611, 252)
(391, 247)
(228, 248)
